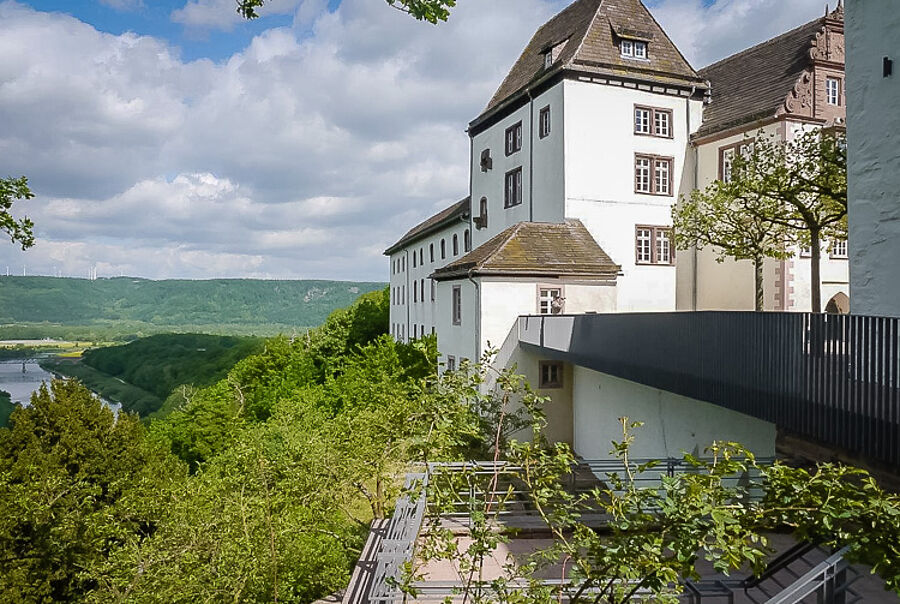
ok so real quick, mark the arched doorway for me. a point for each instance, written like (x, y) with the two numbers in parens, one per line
(838, 305)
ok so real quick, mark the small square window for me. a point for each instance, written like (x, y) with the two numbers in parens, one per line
(633, 49)
(544, 122)
(551, 374)
(551, 301)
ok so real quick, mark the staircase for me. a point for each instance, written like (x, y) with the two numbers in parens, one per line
(804, 574)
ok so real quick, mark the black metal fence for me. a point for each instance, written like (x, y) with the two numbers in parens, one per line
(831, 378)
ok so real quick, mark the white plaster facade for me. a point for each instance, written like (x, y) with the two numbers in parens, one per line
(412, 314)
(873, 35)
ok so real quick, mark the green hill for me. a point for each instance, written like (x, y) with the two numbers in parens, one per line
(140, 375)
(122, 307)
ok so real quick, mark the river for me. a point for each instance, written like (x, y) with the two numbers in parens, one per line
(21, 385)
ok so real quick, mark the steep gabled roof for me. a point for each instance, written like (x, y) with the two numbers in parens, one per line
(584, 37)
(755, 83)
(432, 224)
(536, 248)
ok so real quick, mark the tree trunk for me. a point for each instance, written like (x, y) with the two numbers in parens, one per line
(379, 498)
(815, 279)
(758, 269)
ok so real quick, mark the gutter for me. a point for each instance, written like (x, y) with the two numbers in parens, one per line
(530, 156)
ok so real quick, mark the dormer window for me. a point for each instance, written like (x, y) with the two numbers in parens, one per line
(633, 49)
(548, 59)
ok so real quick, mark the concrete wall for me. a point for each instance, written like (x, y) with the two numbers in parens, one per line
(873, 31)
(673, 424)
(600, 145)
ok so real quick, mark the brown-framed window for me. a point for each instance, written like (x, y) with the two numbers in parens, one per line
(653, 174)
(839, 249)
(727, 155)
(514, 138)
(550, 301)
(833, 91)
(513, 188)
(551, 374)
(652, 121)
(457, 305)
(544, 122)
(653, 245)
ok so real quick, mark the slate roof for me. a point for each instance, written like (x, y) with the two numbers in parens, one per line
(536, 248)
(754, 84)
(432, 224)
(590, 30)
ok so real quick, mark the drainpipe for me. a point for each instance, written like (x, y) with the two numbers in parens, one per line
(477, 316)
(530, 156)
(695, 254)
(406, 296)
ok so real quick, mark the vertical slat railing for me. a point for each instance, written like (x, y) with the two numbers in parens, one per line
(831, 378)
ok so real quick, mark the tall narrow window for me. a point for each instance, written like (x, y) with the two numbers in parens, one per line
(467, 241)
(513, 190)
(514, 138)
(544, 122)
(550, 301)
(653, 175)
(839, 248)
(415, 293)
(727, 155)
(433, 288)
(653, 245)
(481, 221)
(644, 245)
(642, 120)
(833, 91)
(422, 289)
(443, 250)
(431, 252)
(414, 259)
(422, 256)
(451, 363)
(457, 305)
(455, 245)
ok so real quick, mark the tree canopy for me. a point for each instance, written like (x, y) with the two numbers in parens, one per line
(22, 230)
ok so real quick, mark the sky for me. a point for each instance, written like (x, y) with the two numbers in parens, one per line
(171, 139)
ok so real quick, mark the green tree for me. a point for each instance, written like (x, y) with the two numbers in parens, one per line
(806, 180)
(736, 221)
(75, 483)
(21, 231)
(423, 10)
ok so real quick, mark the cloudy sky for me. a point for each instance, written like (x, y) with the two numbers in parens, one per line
(168, 138)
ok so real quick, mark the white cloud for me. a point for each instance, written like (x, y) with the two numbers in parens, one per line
(706, 32)
(223, 15)
(124, 5)
(304, 155)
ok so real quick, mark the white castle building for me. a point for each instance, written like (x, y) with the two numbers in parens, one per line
(597, 130)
